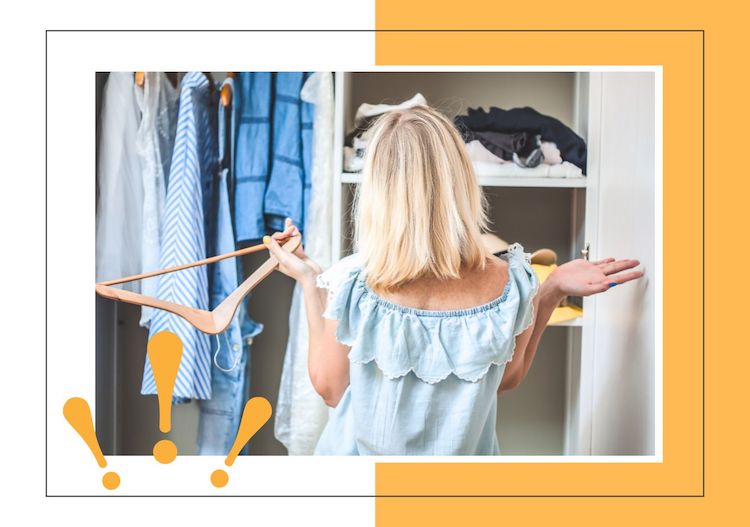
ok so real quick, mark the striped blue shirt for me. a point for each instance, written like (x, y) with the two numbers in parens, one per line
(183, 240)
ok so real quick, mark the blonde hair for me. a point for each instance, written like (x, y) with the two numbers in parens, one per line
(419, 209)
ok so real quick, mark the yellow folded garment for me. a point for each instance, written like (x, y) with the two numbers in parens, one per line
(564, 313)
(543, 271)
(561, 313)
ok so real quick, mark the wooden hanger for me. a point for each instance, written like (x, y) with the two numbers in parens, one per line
(226, 92)
(212, 322)
(140, 78)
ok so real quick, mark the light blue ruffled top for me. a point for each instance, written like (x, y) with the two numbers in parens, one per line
(422, 382)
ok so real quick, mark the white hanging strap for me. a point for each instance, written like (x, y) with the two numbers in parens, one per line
(216, 355)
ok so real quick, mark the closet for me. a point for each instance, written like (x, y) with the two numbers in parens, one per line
(591, 387)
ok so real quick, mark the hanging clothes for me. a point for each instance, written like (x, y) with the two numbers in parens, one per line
(288, 192)
(220, 415)
(154, 143)
(183, 239)
(274, 147)
(524, 120)
(301, 414)
(252, 164)
(120, 207)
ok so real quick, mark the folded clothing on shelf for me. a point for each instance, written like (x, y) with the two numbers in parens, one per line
(517, 129)
(522, 148)
(355, 143)
(478, 152)
(562, 170)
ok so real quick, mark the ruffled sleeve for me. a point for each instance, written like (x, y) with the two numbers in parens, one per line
(527, 283)
(340, 280)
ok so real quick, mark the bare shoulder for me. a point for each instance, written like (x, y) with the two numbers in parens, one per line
(474, 288)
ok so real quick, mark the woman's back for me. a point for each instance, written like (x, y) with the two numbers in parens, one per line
(426, 362)
(475, 287)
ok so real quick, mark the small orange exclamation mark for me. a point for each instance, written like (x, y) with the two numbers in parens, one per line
(165, 353)
(78, 414)
(256, 413)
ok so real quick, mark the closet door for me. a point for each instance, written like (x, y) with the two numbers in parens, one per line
(622, 339)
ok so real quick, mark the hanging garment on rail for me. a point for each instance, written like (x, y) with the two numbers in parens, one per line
(183, 238)
(120, 207)
(289, 184)
(528, 120)
(157, 101)
(301, 413)
(230, 352)
(274, 144)
(252, 161)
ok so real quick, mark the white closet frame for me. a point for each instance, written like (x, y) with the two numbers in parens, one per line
(579, 352)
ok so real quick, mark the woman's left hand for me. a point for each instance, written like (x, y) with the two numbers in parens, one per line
(297, 264)
(583, 278)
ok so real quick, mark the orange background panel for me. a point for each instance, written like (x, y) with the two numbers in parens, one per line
(725, 194)
(681, 57)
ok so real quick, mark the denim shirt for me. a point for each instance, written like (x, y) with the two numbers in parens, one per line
(289, 185)
(274, 152)
(422, 382)
(230, 350)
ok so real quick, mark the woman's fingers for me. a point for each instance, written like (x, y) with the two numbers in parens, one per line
(617, 266)
(593, 289)
(603, 261)
(289, 224)
(286, 233)
(624, 277)
(611, 281)
(275, 248)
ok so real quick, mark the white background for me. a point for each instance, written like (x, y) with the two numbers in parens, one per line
(73, 58)
(71, 236)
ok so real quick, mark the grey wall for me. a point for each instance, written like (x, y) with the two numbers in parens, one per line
(550, 93)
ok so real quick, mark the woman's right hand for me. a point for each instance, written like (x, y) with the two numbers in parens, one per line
(295, 264)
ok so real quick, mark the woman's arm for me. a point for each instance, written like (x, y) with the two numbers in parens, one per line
(575, 278)
(327, 363)
(544, 302)
(327, 360)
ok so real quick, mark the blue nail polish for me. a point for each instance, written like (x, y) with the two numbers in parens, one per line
(612, 284)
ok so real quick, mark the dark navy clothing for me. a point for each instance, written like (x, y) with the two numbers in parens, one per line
(526, 120)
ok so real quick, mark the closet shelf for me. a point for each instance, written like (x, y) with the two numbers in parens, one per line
(575, 323)
(503, 181)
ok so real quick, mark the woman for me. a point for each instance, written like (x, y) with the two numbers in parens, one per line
(413, 336)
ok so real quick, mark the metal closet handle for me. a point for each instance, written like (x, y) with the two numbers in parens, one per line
(585, 251)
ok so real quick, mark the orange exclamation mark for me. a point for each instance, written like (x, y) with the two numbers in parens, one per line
(165, 353)
(256, 413)
(78, 414)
